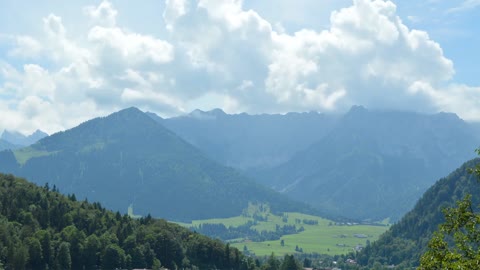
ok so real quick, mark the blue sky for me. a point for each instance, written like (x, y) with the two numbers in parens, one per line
(61, 64)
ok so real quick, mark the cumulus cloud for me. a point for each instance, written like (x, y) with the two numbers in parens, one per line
(134, 48)
(368, 57)
(105, 14)
(26, 47)
(216, 53)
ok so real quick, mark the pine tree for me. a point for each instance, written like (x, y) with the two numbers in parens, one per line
(64, 260)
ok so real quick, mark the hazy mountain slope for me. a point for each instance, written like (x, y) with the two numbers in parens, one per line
(375, 164)
(17, 138)
(129, 158)
(7, 145)
(405, 241)
(250, 142)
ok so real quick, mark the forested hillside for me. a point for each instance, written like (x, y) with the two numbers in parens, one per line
(129, 159)
(42, 229)
(406, 241)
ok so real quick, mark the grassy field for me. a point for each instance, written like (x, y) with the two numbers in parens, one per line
(24, 154)
(321, 239)
(326, 237)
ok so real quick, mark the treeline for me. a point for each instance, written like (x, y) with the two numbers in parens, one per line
(222, 232)
(42, 229)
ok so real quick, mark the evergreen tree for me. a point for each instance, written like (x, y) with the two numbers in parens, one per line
(64, 260)
(272, 263)
(289, 263)
(138, 258)
(20, 257)
(91, 252)
(113, 258)
(35, 254)
(227, 256)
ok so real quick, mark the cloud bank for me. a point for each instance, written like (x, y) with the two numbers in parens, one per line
(218, 54)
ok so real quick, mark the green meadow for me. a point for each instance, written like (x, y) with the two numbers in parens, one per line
(326, 237)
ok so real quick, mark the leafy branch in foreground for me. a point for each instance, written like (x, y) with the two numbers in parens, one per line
(456, 244)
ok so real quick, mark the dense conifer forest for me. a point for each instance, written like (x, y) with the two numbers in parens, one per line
(42, 229)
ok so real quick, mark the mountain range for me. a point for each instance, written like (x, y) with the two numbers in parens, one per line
(375, 165)
(127, 159)
(250, 142)
(17, 138)
(364, 164)
(7, 145)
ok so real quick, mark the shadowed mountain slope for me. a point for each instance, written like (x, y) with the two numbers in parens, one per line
(128, 158)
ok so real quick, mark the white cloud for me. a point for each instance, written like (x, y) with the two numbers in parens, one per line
(53, 26)
(218, 54)
(134, 48)
(105, 14)
(154, 100)
(26, 47)
(38, 81)
(368, 54)
(465, 6)
(174, 9)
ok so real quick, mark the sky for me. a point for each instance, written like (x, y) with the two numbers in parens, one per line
(62, 64)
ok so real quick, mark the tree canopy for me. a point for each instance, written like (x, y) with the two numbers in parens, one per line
(456, 244)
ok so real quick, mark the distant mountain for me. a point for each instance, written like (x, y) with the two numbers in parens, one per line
(406, 241)
(375, 165)
(17, 138)
(7, 145)
(250, 142)
(128, 158)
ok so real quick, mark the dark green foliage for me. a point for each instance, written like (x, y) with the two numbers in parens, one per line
(404, 242)
(64, 258)
(35, 254)
(272, 263)
(68, 234)
(113, 258)
(245, 231)
(457, 243)
(290, 263)
(129, 158)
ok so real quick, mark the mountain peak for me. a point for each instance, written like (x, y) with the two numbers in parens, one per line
(38, 134)
(17, 138)
(448, 116)
(128, 111)
(356, 109)
(217, 112)
(124, 123)
(212, 114)
(128, 115)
